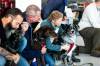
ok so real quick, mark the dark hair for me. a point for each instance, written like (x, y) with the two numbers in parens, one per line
(45, 32)
(13, 11)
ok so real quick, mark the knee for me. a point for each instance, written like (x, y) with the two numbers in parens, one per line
(2, 61)
(49, 60)
(51, 64)
(22, 62)
(22, 44)
(23, 41)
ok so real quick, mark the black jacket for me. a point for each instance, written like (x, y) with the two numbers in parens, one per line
(2, 35)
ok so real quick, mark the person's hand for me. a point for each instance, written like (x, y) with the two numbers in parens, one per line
(14, 57)
(24, 26)
(65, 47)
(43, 50)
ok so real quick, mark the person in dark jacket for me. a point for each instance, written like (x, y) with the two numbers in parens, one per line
(8, 24)
(33, 17)
(53, 5)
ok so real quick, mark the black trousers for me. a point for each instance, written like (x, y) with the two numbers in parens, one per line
(87, 35)
(91, 38)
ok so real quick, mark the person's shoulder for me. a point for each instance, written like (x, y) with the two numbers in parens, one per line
(45, 22)
(91, 5)
(90, 8)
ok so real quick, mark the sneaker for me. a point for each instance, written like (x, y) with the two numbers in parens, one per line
(74, 59)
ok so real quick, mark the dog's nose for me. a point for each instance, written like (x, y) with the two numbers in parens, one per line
(72, 31)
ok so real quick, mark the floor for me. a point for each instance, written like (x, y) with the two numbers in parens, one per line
(85, 58)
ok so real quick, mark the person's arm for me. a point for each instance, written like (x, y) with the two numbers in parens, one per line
(9, 56)
(55, 47)
(93, 15)
(52, 46)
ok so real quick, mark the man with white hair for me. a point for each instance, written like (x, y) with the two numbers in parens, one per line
(33, 17)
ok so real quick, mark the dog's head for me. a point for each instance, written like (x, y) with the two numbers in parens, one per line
(46, 31)
(68, 29)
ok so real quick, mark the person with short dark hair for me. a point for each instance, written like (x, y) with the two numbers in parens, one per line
(8, 24)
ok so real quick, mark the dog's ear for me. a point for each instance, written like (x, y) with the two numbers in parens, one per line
(65, 26)
(46, 31)
(49, 31)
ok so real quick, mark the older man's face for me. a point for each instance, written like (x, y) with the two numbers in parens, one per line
(17, 20)
(34, 17)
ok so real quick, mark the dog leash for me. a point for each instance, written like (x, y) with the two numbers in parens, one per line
(85, 64)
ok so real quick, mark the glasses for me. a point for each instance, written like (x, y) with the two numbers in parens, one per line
(31, 18)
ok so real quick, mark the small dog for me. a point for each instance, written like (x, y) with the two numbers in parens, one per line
(38, 41)
(41, 34)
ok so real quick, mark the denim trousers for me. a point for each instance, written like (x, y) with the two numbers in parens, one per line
(22, 61)
(49, 60)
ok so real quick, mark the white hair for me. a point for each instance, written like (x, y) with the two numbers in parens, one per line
(32, 8)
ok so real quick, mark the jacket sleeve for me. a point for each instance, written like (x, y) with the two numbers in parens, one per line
(52, 46)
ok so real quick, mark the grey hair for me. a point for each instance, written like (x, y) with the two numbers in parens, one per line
(32, 8)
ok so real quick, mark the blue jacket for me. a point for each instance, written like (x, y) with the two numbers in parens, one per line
(28, 52)
(53, 5)
(49, 45)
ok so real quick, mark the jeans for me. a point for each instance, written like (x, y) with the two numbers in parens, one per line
(22, 61)
(49, 60)
(2, 60)
(22, 44)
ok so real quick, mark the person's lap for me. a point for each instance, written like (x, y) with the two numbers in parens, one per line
(2, 60)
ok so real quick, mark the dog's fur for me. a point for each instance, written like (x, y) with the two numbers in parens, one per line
(45, 32)
(69, 37)
(41, 34)
(38, 40)
(69, 34)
